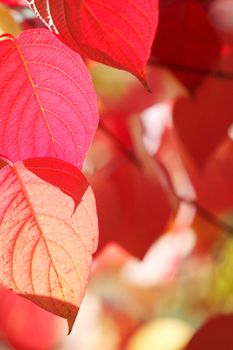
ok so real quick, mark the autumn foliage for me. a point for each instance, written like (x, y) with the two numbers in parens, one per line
(116, 176)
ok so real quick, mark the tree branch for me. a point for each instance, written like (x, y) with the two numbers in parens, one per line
(203, 212)
(193, 71)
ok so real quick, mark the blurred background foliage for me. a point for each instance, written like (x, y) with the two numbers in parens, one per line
(161, 167)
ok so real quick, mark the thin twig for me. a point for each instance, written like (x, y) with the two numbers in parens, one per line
(193, 70)
(203, 212)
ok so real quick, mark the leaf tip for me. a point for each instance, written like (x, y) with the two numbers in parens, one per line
(70, 322)
(6, 160)
(142, 78)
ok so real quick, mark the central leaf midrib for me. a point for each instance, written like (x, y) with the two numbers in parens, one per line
(25, 65)
(24, 191)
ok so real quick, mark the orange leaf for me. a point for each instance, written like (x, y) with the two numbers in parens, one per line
(48, 233)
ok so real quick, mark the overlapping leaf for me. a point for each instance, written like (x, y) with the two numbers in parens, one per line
(132, 209)
(212, 183)
(186, 41)
(202, 121)
(47, 102)
(48, 233)
(115, 32)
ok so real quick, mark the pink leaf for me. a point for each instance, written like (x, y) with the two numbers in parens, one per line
(13, 2)
(47, 102)
(118, 33)
(47, 237)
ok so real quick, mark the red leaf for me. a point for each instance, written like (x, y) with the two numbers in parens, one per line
(214, 186)
(185, 40)
(202, 121)
(132, 209)
(215, 334)
(117, 32)
(49, 170)
(47, 102)
(26, 326)
(46, 242)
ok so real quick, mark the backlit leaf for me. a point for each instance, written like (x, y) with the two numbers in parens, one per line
(133, 210)
(47, 102)
(115, 32)
(202, 121)
(48, 233)
(185, 41)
